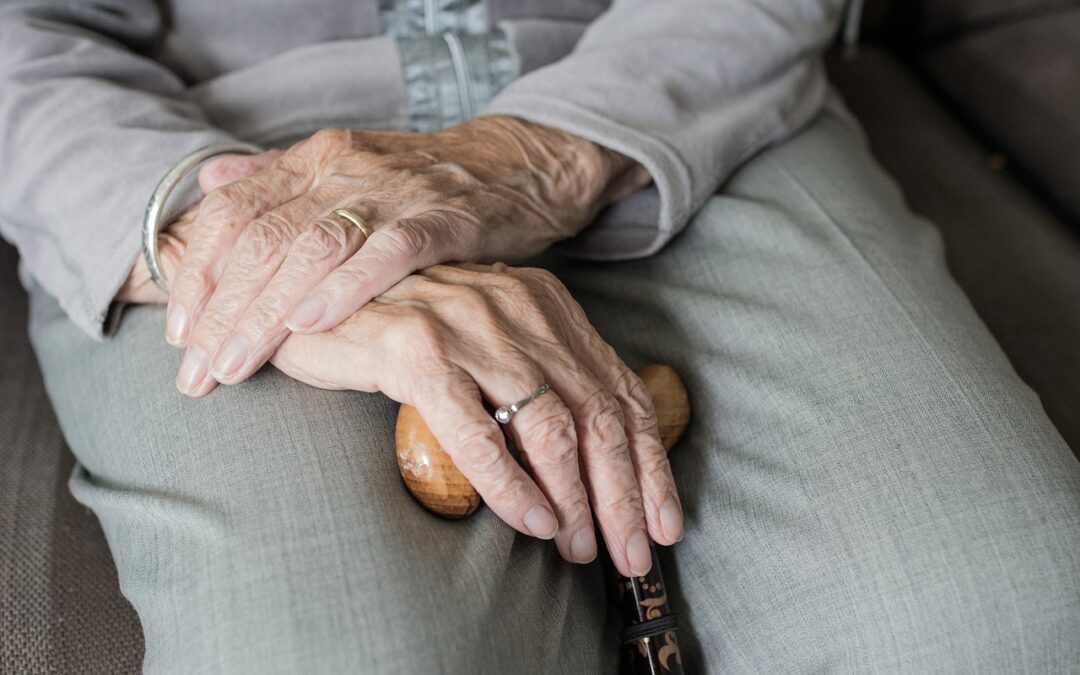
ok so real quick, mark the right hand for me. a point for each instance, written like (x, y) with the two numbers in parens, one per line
(451, 337)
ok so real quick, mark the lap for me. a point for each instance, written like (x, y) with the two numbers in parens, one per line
(265, 528)
(867, 483)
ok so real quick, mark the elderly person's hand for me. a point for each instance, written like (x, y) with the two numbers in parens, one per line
(267, 256)
(451, 337)
(139, 287)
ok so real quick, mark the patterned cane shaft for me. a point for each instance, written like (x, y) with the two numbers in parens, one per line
(650, 646)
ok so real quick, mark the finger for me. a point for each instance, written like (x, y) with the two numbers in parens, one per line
(390, 254)
(603, 446)
(663, 508)
(224, 169)
(256, 257)
(544, 433)
(453, 410)
(223, 215)
(609, 472)
(325, 244)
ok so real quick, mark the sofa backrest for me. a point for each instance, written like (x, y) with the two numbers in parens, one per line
(910, 21)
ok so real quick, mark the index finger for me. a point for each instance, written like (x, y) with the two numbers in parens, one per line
(391, 253)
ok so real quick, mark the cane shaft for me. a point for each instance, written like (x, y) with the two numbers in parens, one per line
(649, 642)
(650, 646)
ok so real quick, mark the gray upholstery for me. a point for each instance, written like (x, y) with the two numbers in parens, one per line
(1020, 82)
(1018, 263)
(938, 18)
(60, 608)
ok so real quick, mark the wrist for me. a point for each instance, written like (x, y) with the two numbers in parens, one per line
(572, 174)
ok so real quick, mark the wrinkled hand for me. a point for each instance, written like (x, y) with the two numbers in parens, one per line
(451, 337)
(139, 288)
(266, 256)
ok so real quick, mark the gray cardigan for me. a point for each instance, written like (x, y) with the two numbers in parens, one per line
(98, 100)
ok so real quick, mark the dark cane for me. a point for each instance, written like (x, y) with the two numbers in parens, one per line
(649, 643)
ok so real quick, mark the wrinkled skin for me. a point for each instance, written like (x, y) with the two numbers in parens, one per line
(450, 337)
(269, 258)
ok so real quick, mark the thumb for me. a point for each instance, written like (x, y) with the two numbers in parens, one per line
(225, 169)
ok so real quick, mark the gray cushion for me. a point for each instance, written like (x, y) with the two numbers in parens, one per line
(922, 21)
(1021, 83)
(940, 17)
(60, 607)
(1017, 262)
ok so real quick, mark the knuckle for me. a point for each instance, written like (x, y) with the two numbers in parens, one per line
(508, 489)
(576, 504)
(265, 317)
(478, 444)
(212, 327)
(261, 241)
(456, 174)
(604, 420)
(422, 183)
(346, 279)
(221, 206)
(555, 440)
(405, 239)
(642, 412)
(604, 414)
(330, 139)
(514, 287)
(469, 302)
(323, 240)
(625, 506)
(418, 333)
(512, 291)
(544, 279)
(654, 467)
(194, 278)
(226, 303)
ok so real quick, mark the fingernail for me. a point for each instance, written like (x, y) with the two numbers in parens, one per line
(306, 313)
(231, 356)
(192, 371)
(671, 519)
(583, 545)
(540, 522)
(638, 554)
(176, 326)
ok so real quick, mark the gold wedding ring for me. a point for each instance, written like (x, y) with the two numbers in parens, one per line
(356, 220)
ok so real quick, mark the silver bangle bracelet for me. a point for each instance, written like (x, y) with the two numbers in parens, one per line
(155, 208)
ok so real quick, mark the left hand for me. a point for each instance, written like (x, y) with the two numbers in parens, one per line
(139, 288)
(266, 256)
(452, 337)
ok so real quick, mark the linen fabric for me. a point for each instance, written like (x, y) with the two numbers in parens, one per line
(868, 485)
(100, 99)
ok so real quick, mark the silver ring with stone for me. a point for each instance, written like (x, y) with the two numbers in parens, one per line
(504, 414)
(155, 208)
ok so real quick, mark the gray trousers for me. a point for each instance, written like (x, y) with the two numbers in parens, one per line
(868, 484)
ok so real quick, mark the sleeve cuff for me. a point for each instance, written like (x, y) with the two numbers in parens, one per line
(639, 225)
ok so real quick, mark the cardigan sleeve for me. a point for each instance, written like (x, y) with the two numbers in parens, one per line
(688, 88)
(87, 127)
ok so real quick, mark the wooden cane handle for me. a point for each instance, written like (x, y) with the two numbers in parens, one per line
(430, 474)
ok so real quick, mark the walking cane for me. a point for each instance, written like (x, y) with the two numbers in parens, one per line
(649, 644)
